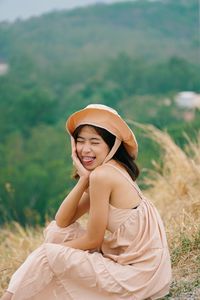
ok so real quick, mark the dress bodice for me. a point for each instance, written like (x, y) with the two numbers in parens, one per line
(134, 233)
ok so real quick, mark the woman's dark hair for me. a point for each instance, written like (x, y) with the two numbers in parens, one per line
(121, 155)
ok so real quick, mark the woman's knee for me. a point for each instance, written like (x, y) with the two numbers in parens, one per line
(55, 234)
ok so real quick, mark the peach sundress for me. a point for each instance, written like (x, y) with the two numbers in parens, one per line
(133, 262)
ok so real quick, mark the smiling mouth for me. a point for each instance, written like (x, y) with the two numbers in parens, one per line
(87, 159)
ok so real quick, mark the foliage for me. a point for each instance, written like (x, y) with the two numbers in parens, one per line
(126, 55)
(33, 174)
(174, 189)
(155, 30)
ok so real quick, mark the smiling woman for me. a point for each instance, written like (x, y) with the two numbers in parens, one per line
(133, 261)
(90, 146)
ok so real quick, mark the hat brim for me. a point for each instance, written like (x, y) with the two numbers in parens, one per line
(108, 120)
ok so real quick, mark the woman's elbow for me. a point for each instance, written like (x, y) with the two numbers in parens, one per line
(60, 222)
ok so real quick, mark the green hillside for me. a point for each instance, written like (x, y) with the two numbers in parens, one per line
(131, 56)
(153, 30)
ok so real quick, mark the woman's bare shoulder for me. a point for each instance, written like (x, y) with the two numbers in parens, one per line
(100, 180)
(99, 172)
(102, 173)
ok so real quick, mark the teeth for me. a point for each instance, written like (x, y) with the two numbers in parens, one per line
(87, 158)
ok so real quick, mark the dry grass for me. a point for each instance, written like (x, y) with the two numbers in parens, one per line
(174, 189)
(16, 243)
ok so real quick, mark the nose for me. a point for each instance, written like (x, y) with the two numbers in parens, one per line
(86, 148)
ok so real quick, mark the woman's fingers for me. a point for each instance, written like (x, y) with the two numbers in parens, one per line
(76, 161)
(73, 144)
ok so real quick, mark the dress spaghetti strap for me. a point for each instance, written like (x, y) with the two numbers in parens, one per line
(127, 178)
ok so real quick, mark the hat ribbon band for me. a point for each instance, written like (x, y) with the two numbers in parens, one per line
(113, 150)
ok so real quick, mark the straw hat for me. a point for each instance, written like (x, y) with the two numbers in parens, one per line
(107, 118)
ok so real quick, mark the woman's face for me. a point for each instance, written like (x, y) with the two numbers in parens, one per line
(91, 148)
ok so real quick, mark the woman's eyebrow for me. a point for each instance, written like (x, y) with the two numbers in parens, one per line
(91, 139)
(96, 139)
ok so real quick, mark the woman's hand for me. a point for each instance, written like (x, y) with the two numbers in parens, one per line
(82, 172)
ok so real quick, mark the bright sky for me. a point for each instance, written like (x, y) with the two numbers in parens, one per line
(23, 9)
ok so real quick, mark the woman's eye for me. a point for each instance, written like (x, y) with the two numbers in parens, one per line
(81, 142)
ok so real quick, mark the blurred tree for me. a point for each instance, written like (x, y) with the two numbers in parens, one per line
(34, 173)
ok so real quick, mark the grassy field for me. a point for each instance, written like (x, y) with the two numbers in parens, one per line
(174, 188)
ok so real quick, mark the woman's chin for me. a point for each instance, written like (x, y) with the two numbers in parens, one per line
(89, 165)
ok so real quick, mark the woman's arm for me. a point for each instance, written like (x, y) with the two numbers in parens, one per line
(77, 202)
(100, 190)
(74, 205)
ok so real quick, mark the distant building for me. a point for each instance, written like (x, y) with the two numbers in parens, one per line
(189, 100)
(3, 68)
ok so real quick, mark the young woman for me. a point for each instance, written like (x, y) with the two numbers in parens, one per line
(132, 260)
